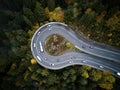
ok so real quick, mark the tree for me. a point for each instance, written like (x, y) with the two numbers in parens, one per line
(95, 75)
(39, 13)
(51, 4)
(29, 14)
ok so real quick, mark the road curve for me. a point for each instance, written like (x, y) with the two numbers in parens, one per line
(94, 54)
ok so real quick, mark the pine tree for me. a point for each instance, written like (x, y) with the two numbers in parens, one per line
(39, 13)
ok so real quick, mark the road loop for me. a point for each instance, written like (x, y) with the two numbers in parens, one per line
(80, 50)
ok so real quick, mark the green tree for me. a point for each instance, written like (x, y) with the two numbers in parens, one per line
(69, 14)
(51, 4)
(95, 75)
(29, 14)
(88, 19)
(19, 22)
(39, 13)
(29, 4)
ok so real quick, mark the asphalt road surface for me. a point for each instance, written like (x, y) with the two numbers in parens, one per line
(94, 54)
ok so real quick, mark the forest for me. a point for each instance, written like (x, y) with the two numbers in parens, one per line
(98, 20)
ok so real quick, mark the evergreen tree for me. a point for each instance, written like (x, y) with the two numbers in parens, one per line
(51, 4)
(39, 13)
(29, 14)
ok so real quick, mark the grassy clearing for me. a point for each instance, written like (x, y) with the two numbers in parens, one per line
(56, 45)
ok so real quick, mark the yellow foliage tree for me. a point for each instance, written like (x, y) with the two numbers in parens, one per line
(85, 67)
(13, 66)
(36, 26)
(88, 11)
(25, 75)
(109, 78)
(33, 61)
(47, 11)
(24, 47)
(56, 15)
(69, 1)
(101, 16)
(85, 74)
(95, 75)
(107, 81)
(106, 86)
(114, 21)
(106, 72)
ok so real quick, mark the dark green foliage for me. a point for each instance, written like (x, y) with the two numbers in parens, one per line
(83, 81)
(29, 14)
(5, 16)
(51, 4)
(3, 59)
(88, 20)
(14, 5)
(29, 4)
(39, 13)
(98, 7)
(19, 22)
(69, 15)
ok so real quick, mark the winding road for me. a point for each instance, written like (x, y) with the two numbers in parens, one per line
(94, 54)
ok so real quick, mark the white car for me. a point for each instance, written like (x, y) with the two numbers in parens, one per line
(41, 47)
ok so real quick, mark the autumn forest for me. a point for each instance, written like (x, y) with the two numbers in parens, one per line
(98, 20)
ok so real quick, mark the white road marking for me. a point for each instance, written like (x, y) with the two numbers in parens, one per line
(39, 58)
(52, 64)
(38, 33)
(70, 61)
(118, 73)
(34, 45)
(41, 47)
(49, 25)
(50, 29)
(101, 66)
(84, 61)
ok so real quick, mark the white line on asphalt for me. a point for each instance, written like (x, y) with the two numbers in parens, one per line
(38, 33)
(52, 64)
(34, 45)
(118, 73)
(101, 66)
(39, 58)
(41, 47)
